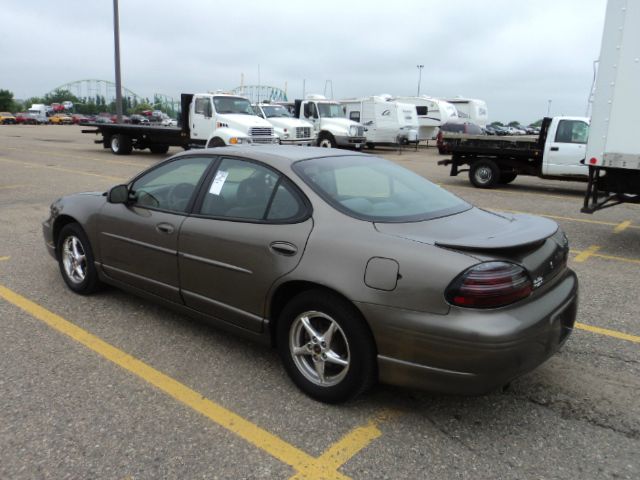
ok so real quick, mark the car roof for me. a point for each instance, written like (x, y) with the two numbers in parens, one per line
(279, 156)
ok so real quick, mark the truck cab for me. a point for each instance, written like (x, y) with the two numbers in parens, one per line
(290, 130)
(565, 147)
(330, 124)
(222, 119)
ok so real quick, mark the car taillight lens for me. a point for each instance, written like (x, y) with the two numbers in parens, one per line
(490, 285)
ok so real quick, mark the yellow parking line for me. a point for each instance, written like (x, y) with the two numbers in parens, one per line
(62, 169)
(621, 227)
(2, 187)
(606, 257)
(608, 333)
(585, 254)
(4, 258)
(306, 466)
(571, 219)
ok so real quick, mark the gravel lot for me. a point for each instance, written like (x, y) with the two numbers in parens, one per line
(67, 411)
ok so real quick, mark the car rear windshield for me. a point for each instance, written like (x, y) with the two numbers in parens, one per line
(373, 189)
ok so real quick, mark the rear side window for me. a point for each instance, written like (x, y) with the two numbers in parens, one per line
(354, 115)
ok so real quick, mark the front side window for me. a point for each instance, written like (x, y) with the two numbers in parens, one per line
(374, 189)
(170, 186)
(330, 110)
(201, 105)
(249, 191)
(572, 131)
(276, 111)
(233, 105)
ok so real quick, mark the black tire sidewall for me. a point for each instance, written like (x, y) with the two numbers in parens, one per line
(362, 372)
(91, 281)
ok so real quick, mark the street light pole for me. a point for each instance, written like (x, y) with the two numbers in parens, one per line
(116, 37)
(420, 67)
(549, 108)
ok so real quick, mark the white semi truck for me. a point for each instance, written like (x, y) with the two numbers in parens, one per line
(330, 123)
(207, 120)
(613, 148)
(290, 130)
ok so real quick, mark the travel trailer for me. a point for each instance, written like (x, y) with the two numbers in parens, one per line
(385, 121)
(432, 112)
(471, 108)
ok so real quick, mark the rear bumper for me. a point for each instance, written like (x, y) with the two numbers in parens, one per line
(472, 351)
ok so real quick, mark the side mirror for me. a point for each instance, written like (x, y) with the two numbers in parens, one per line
(307, 110)
(118, 194)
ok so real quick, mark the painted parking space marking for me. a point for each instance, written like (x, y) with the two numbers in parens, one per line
(608, 333)
(621, 227)
(593, 253)
(8, 187)
(61, 169)
(4, 258)
(584, 255)
(306, 466)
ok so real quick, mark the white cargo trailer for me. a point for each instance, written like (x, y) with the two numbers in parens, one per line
(613, 148)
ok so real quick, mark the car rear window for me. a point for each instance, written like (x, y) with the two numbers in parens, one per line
(373, 189)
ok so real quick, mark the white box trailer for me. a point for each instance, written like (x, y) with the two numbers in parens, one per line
(432, 112)
(386, 122)
(613, 148)
(472, 108)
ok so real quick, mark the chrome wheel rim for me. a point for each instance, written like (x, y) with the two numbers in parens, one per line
(483, 174)
(115, 144)
(74, 259)
(319, 348)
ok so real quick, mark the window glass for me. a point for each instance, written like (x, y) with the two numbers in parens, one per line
(572, 131)
(170, 186)
(422, 110)
(285, 204)
(239, 189)
(354, 115)
(375, 189)
(201, 105)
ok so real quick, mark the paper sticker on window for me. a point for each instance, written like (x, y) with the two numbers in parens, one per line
(218, 182)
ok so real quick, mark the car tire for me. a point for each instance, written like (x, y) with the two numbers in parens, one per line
(326, 140)
(159, 148)
(76, 261)
(120, 144)
(484, 174)
(507, 177)
(335, 369)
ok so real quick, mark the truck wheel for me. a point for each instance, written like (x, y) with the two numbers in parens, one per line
(216, 142)
(121, 144)
(326, 140)
(159, 148)
(507, 177)
(484, 174)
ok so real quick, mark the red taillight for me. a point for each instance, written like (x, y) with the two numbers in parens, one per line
(490, 285)
(593, 161)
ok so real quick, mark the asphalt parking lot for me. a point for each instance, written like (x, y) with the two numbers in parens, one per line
(112, 386)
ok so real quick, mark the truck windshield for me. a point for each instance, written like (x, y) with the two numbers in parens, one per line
(330, 110)
(233, 105)
(275, 111)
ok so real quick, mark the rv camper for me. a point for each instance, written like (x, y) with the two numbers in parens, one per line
(386, 121)
(472, 109)
(432, 112)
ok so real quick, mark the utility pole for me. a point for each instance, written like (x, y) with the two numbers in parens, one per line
(420, 67)
(549, 108)
(116, 37)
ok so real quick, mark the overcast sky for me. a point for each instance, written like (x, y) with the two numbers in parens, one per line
(514, 54)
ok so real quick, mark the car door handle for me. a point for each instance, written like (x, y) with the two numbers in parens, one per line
(554, 149)
(284, 248)
(164, 228)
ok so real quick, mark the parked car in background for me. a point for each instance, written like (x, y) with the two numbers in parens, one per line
(355, 269)
(25, 118)
(7, 118)
(490, 130)
(125, 119)
(139, 119)
(60, 119)
(169, 122)
(77, 118)
(456, 126)
(102, 119)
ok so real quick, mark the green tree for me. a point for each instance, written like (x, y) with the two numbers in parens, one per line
(497, 124)
(60, 95)
(513, 124)
(141, 107)
(537, 123)
(6, 101)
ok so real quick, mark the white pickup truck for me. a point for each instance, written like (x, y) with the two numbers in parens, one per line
(330, 123)
(290, 130)
(207, 120)
(557, 153)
